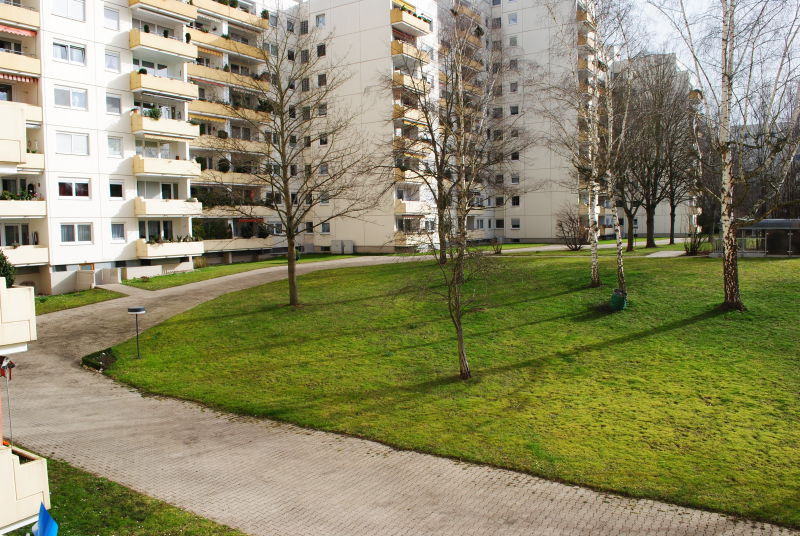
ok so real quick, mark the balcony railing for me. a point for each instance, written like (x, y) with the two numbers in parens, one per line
(232, 14)
(23, 209)
(145, 250)
(407, 49)
(185, 12)
(410, 23)
(225, 44)
(17, 322)
(161, 85)
(26, 487)
(165, 167)
(218, 109)
(203, 72)
(240, 244)
(26, 17)
(171, 128)
(14, 61)
(168, 45)
(176, 208)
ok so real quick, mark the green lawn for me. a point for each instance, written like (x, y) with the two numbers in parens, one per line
(586, 251)
(210, 272)
(83, 505)
(671, 399)
(59, 302)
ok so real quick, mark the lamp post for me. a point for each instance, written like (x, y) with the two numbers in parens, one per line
(136, 311)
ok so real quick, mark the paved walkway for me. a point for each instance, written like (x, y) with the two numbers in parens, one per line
(267, 478)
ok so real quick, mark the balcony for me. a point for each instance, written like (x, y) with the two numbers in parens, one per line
(402, 48)
(27, 255)
(417, 85)
(13, 138)
(409, 23)
(238, 211)
(23, 209)
(223, 44)
(165, 87)
(469, 12)
(408, 114)
(402, 206)
(240, 244)
(24, 486)
(231, 14)
(33, 164)
(22, 17)
(164, 45)
(169, 8)
(234, 145)
(410, 147)
(202, 72)
(407, 175)
(20, 64)
(586, 42)
(217, 109)
(470, 38)
(164, 167)
(166, 208)
(163, 128)
(17, 328)
(168, 249)
(212, 176)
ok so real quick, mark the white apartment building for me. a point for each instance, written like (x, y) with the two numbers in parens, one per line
(112, 111)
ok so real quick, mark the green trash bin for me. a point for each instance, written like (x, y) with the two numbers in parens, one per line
(619, 300)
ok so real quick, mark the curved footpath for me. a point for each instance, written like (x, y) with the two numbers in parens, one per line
(268, 478)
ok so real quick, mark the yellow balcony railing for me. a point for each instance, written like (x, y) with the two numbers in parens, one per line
(164, 167)
(231, 144)
(183, 11)
(19, 63)
(26, 255)
(176, 47)
(171, 128)
(218, 75)
(19, 16)
(402, 206)
(163, 86)
(23, 209)
(166, 207)
(409, 23)
(407, 49)
(226, 45)
(168, 249)
(405, 81)
(216, 109)
(408, 114)
(233, 14)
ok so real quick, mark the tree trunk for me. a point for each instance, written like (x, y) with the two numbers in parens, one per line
(294, 298)
(631, 230)
(620, 263)
(442, 236)
(672, 213)
(650, 212)
(464, 371)
(594, 231)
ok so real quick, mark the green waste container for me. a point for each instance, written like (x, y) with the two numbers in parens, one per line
(619, 300)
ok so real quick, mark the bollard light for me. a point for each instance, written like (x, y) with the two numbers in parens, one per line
(136, 311)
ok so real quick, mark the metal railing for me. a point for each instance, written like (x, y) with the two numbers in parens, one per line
(743, 245)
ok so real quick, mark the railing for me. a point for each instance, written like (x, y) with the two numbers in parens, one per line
(743, 245)
(18, 52)
(17, 4)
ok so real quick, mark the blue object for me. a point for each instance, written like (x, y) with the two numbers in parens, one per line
(46, 526)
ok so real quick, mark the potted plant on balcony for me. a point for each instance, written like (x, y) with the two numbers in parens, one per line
(146, 28)
(233, 3)
(154, 113)
(264, 14)
(142, 71)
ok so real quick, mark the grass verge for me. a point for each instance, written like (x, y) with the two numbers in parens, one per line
(210, 272)
(59, 302)
(84, 504)
(671, 399)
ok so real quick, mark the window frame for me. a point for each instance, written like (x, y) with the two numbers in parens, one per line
(112, 53)
(72, 181)
(69, 46)
(67, 14)
(119, 183)
(119, 99)
(117, 240)
(71, 91)
(72, 136)
(121, 153)
(75, 234)
(106, 10)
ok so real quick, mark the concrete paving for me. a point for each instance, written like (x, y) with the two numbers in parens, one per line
(268, 478)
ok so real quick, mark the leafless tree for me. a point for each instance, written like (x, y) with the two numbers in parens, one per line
(745, 54)
(464, 142)
(570, 228)
(298, 140)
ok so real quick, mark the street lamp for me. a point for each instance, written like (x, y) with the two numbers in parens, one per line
(136, 311)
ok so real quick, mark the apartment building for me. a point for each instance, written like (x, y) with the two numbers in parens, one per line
(114, 111)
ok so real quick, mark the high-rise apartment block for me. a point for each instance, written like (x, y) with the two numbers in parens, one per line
(113, 112)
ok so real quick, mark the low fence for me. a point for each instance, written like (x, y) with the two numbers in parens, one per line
(747, 245)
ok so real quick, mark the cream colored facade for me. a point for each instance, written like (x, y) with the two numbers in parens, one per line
(110, 107)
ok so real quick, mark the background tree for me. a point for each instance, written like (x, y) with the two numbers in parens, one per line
(745, 55)
(305, 150)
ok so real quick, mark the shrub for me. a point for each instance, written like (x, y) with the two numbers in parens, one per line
(154, 113)
(571, 229)
(7, 270)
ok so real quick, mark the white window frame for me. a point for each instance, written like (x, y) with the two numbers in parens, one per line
(515, 178)
(70, 47)
(106, 11)
(517, 226)
(74, 226)
(119, 98)
(513, 18)
(120, 183)
(322, 227)
(114, 54)
(72, 143)
(111, 154)
(117, 240)
(71, 13)
(72, 90)
(319, 20)
(73, 181)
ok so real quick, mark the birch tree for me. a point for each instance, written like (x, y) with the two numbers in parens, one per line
(745, 55)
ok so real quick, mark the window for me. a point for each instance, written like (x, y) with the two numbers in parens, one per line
(512, 41)
(495, 2)
(497, 45)
(72, 143)
(118, 232)
(323, 169)
(306, 113)
(514, 200)
(76, 233)
(325, 227)
(303, 27)
(324, 199)
(111, 18)
(515, 223)
(73, 188)
(499, 201)
(498, 178)
(115, 190)
(497, 113)
(497, 22)
(70, 97)
(322, 80)
(115, 147)
(515, 155)
(113, 104)
(290, 55)
(75, 54)
(290, 25)
(309, 227)
(292, 112)
(305, 85)
(112, 61)
(512, 18)
(322, 110)
(320, 20)
(323, 139)
(514, 110)
(321, 50)
(273, 20)
(306, 141)
(515, 133)
(72, 9)
(513, 64)
(499, 224)
(513, 87)
(294, 197)
(514, 178)
(304, 56)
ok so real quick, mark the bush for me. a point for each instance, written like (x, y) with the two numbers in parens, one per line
(7, 270)
(154, 113)
(101, 360)
(693, 245)
(570, 228)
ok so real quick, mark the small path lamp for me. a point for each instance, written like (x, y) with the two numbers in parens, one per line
(136, 311)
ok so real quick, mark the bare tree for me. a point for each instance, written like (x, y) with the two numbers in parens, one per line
(570, 228)
(745, 54)
(464, 141)
(298, 140)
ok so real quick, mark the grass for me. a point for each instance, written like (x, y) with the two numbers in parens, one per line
(83, 504)
(671, 399)
(59, 302)
(640, 251)
(210, 272)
